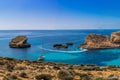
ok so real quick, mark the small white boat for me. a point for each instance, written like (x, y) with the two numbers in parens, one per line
(41, 58)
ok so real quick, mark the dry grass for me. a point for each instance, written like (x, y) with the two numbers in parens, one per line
(11, 69)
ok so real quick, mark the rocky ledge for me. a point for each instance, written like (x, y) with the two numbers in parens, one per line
(98, 41)
(19, 42)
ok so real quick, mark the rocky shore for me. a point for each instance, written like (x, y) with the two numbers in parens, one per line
(12, 69)
(98, 41)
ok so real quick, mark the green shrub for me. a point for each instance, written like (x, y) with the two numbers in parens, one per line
(43, 77)
(112, 77)
(23, 74)
(100, 78)
(10, 77)
(2, 63)
(85, 76)
(7, 58)
(20, 68)
(56, 67)
(10, 67)
(13, 77)
(65, 75)
(5, 78)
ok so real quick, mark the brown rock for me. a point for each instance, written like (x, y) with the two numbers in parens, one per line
(96, 38)
(97, 41)
(19, 42)
(58, 46)
(115, 37)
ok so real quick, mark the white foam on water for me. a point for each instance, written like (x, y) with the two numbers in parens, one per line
(81, 50)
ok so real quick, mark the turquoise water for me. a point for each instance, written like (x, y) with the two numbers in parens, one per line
(43, 40)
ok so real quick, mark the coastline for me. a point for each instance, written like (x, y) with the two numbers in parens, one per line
(35, 70)
(36, 39)
(99, 41)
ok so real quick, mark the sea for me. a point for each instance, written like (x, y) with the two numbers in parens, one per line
(42, 42)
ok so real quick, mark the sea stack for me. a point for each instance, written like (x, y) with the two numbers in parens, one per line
(19, 42)
(98, 41)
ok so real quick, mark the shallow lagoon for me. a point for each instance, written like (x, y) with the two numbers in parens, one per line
(46, 38)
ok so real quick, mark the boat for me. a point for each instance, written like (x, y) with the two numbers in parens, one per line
(41, 58)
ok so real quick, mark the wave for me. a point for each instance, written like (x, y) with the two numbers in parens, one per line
(81, 50)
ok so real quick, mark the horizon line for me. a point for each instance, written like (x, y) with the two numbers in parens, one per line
(65, 29)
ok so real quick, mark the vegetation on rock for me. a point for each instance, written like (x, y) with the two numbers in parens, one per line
(12, 69)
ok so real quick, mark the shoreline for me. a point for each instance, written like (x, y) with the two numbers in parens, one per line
(34, 70)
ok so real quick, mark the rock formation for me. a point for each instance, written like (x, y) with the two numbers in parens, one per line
(19, 42)
(97, 41)
(115, 37)
(65, 45)
(58, 46)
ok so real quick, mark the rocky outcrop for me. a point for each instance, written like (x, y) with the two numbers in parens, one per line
(19, 42)
(97, 41)
(65, 45)
(58, 46)
(115, 37)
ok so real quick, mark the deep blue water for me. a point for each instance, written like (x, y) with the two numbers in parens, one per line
(43, 40)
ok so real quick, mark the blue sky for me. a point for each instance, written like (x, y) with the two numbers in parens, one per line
(59, 14)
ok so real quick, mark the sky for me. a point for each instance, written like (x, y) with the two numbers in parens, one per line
(59, 14)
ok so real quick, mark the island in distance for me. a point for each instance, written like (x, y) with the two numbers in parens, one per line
(19, 42)
(98, 41)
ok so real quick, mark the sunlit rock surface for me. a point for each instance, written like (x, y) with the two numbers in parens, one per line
(19, 42)
(115, 37)
(98, 41)
(12, 69)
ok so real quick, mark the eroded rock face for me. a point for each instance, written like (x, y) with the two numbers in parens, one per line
(19, 42)
(115, 37)
(97, 41)
(96, 38)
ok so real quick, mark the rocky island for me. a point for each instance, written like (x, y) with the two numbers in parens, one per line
(19, 42)
(65, 46)
(98, 41)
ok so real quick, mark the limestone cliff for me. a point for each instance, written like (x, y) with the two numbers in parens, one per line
(115, 37)
(98, 41)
